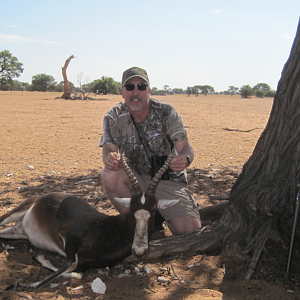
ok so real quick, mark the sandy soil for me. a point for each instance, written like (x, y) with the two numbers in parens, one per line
(51, 145)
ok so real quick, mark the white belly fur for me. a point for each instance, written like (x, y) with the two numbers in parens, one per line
(37, 235)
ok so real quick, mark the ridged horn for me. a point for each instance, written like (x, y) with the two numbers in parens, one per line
(156, 179)
(136, 189)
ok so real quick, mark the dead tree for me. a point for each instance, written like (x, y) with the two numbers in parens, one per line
(262, 198)
(67, 89)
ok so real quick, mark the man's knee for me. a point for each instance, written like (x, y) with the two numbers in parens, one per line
(115, 183)
(109, 177)
(184, 224)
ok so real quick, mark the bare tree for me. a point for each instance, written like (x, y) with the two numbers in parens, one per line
(67, 89)
(82, 83)
(262, 199)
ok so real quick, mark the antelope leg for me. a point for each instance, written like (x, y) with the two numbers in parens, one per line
(70, 266)
(48, 265)
(14, 232)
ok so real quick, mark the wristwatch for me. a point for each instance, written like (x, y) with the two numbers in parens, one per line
(188, 160)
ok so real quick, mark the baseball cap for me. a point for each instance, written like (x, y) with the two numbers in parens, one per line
(134, 72)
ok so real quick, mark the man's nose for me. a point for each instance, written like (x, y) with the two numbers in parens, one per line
(136, 90)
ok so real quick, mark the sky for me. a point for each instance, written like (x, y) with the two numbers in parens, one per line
(220, 43)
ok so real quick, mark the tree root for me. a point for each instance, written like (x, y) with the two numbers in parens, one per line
(211, 214)
(213, 237)
(262, 237)
(203, 239)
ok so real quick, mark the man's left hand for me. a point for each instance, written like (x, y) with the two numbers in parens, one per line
(179, 163)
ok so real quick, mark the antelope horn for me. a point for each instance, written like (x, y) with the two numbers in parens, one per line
(156, 179)
(136, 189)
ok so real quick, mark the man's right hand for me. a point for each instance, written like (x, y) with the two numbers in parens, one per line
(113, 161)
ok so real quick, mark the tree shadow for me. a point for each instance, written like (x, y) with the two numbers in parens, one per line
(204, 183)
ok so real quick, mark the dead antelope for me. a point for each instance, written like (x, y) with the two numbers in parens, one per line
(69, 226)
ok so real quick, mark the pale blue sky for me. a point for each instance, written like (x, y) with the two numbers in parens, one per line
(180, 43)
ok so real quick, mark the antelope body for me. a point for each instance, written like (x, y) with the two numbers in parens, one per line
(69, 226)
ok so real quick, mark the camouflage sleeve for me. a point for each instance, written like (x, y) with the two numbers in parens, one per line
(176, 129)
(107, 137)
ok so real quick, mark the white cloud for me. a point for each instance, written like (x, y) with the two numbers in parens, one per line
(216, 11)
(56, 43)
(17, 38)
(287, 36)
(14, 26)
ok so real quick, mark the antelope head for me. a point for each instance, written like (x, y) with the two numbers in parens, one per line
(144, 205)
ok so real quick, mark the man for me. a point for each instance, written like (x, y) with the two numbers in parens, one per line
(149, 129)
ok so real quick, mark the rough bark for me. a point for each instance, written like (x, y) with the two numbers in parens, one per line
(67, 89)
(262, 198)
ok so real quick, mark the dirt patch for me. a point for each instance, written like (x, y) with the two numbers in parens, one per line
(51, 145)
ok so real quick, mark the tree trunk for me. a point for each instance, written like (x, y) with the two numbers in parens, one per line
(263, 197)
(67, 89)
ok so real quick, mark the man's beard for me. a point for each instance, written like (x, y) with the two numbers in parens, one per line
(135, 103)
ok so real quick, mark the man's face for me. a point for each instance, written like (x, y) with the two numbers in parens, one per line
(136, 100)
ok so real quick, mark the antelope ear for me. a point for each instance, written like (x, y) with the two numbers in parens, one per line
(124, 201)
(166, 203)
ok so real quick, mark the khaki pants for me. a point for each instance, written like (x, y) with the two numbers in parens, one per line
(171, 190)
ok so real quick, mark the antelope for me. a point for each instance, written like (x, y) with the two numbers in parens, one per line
(67, 225)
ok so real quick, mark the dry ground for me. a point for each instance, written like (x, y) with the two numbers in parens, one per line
(51, 144)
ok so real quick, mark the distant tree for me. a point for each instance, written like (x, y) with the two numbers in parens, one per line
(271, 94)
(189, 91)
(204, 89)
(20, 86)
(10, 68)
(6, 86)
(105, 85)
(233, 90)
(227, 93)
(259, 94)
(43, 83)
(207, 89)
(168, 90)
(261, 89)
(154, 90)
(83, 83)
(178, 91)
(195, 90)
(246, 91)
(161, 92)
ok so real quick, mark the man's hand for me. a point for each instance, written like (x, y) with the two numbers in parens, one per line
(113, 162)
(179, 162)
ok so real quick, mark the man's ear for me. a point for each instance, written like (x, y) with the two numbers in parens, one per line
(121, 91)
(166, 203)
(124, 201)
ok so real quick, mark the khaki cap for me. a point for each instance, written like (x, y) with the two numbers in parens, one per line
(134, 72)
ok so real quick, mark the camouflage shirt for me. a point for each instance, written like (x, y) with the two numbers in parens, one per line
(154, 136)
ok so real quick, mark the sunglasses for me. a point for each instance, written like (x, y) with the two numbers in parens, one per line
(140, 86)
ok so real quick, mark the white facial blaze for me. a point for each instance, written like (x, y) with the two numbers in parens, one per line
(140, 241)
(143, 199)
